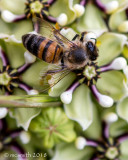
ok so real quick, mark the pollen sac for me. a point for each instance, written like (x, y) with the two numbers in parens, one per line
(8, 79)
(110, 149)
(36, 8)
(91, 73)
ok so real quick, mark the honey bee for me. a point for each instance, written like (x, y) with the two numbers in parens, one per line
(55, 48)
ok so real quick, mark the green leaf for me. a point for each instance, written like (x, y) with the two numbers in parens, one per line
(53, 126)
(69, 152)
(111, 46)
(80, 109)
(92, 20)
(24, 116)
(111, 84)
(122, 108)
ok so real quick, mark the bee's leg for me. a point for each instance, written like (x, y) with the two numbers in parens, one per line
(62, 63)
(75, 37)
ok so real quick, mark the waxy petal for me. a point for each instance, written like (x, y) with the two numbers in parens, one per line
(80, 109)
(111, 83)
(107, 53)
(122, 108)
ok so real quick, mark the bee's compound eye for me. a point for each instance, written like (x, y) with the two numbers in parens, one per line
(90, 37)
(93, 58)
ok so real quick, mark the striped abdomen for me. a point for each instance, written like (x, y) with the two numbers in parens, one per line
(42, 47)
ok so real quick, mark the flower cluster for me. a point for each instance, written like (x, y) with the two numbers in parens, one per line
(9, 139)
(89, 76)
(10, 78)
(33, 8)
(107, 147)
(49, 119)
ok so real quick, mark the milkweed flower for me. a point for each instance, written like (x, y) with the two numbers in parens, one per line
(33, 8)
(108, 147)
(8, 140)
(96, 77)
(10, 78)
(90, 76)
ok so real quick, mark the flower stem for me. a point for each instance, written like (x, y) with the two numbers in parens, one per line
(50, 1)
(24, 87)
(3, 57)
(23, 68)
(123, 137)
(100, 5)
(83, 2)
(92, 143)
(73, 87)
(105, 130)
(51, 19)
(19, 150)
(19, 18)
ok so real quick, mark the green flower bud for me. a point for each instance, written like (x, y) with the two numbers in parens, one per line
(52, 126)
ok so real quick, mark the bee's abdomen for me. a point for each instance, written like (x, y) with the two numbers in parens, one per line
(42, 47)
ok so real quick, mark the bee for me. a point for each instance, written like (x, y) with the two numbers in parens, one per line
(55, 48)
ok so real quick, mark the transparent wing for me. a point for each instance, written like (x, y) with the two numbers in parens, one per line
(47, 30)
(51, 76)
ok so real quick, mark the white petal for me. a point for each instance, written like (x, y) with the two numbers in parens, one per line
(119, 63)
(62, 19)
(105, 101)
(29, 58)
(111, 6)
(25, 137)
(80, 143)
(3, 112)
(7, 16)
(111, 117)
(66, 97)
(79, 9)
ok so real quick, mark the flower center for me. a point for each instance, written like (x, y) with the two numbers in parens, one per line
(112, 153)
(4, 79)
(36, 7)
(89, 72)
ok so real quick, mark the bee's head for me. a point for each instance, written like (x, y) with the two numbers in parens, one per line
(92, 51)
(89, 40)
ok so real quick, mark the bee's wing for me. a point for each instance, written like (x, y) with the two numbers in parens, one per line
(50, 77)
(47, 30)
